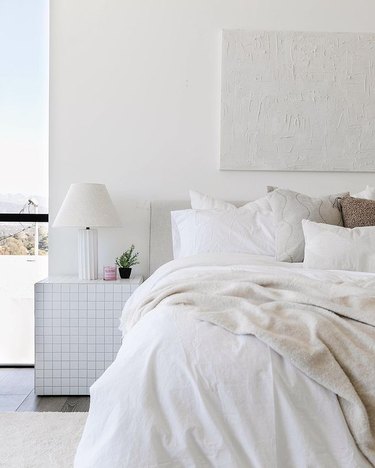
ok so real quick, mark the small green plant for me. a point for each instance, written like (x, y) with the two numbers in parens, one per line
(128, 259)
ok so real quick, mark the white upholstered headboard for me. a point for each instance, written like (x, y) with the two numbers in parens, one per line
(160, 231)
(160, 244)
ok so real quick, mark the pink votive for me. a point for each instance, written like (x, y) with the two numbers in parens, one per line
(109, 273)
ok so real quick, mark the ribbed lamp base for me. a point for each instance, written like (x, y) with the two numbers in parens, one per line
(88, 254)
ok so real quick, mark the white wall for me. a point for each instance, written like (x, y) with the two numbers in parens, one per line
(135, 104)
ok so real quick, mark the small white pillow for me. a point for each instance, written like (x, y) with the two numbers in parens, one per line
(221, 231)
(368, 193)
(200, 201)
(329, 247)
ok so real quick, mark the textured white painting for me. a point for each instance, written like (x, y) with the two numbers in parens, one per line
(298, 101)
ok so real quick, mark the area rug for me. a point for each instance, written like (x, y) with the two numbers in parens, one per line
(39, 440)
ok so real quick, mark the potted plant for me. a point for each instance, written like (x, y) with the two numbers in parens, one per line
(125, 262)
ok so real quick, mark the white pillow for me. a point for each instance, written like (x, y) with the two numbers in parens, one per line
(368, 193)
(221, 231)
(289, 209)
(200, 201)
(329, 247)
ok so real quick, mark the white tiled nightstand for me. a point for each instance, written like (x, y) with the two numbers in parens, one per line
(76, 331)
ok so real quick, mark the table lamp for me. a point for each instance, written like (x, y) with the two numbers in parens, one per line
(87, 206)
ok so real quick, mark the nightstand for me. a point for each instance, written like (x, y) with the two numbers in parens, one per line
(76, 331)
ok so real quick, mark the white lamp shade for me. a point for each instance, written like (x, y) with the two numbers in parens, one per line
(87, 205)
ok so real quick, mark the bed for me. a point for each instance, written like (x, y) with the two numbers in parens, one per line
(237, 360)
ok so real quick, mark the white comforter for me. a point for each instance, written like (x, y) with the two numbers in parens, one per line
(185, 393)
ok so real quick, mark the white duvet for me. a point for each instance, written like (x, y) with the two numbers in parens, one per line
(185, 393)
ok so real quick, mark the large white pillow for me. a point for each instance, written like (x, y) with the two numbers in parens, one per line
(200, 201)
(221, 231)
(368, 193)
(329, 247)
(289, 209)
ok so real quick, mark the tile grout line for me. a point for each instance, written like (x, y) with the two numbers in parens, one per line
(16, 410)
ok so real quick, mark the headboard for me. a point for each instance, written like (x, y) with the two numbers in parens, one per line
(160, 231)
(160, 244)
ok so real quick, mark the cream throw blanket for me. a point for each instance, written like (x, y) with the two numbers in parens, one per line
(327, 330)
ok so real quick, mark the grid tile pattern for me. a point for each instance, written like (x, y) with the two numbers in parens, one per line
(76, 331)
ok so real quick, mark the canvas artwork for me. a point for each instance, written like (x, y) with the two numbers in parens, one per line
(298, 101)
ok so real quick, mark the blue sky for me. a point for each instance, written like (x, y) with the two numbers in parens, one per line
(24, 41)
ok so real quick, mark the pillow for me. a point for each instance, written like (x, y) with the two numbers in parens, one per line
(221, 231)
(199, 201)
(338, 248)
(289, 209)
(368, 193)
(357, 212)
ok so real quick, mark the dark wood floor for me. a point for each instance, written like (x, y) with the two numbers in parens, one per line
(17, 394)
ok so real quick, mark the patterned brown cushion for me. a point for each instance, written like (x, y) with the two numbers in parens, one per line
(357, 212)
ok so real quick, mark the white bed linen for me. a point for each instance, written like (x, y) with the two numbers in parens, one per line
(328, 247)
(222, 231)
(185, 393)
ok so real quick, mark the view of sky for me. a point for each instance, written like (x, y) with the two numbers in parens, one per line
(24, 41)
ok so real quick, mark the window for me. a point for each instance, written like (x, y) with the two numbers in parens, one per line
(24, 40)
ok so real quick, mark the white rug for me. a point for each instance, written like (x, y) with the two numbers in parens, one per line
(39, 440)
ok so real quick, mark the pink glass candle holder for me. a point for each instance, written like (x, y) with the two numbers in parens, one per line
(109, 273)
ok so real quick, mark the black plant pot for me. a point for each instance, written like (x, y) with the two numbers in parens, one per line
(125, 272)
